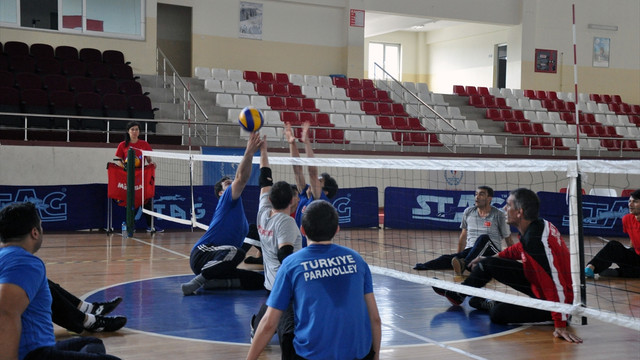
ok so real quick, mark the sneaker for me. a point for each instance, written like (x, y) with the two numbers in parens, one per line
(107, 323)
(421, 266)
(103, 308)
(253, 330)
(253, 260)
(588, 273)
(481, 303)
(155, 229)
(458, 266)
(453, 297)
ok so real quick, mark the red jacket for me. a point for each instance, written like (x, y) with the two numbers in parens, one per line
(546, 262)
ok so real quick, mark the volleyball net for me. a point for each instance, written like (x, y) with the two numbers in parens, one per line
(399, 212)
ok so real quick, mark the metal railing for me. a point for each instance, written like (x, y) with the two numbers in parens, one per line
(193, 115)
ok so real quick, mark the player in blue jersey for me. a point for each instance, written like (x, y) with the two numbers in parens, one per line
(322, 187)
(26, 327)
(331, 291)
(215, 257)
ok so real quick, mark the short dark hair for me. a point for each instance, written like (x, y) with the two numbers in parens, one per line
(635, 194)
(320, 221)
(17, 220)
(528, 201)
(218, 186)
(280, 195)
(330, 185)
(488, 189)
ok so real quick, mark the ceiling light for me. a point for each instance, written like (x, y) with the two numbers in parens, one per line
(603, 27)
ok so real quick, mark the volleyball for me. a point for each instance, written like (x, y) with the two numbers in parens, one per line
(251, 119)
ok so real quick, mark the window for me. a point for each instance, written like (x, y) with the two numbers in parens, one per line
(386, 56)
(119, 18)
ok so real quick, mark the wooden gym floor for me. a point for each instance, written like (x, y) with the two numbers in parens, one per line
(87, 263)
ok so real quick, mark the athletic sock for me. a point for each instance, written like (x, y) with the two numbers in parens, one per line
(192, 286)
(85, 307)
(89, 319)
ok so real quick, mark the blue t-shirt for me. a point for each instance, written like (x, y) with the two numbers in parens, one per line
(302, 205)
(229, 225)
(326, 284)
(21, 268)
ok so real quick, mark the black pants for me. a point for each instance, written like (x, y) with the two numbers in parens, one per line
(511, 273)
(79, 348)
(64, 309)
(616, 253)
(222, 262)
(285, 331)
(482, 247)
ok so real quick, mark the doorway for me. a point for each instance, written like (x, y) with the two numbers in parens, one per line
(501, 66)
(174, 36)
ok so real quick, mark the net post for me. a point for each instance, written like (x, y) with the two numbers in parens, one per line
(131, 185)
(583, 284)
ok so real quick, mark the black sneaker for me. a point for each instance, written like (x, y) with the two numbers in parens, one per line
(253, 330)
(103, 308)
(453, 297)
(421, 266)
(481, 303)
(107, 323)
(253, 260)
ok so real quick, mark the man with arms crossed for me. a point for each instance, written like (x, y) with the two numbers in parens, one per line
(330, 287)
(483, 228)
(538, 265)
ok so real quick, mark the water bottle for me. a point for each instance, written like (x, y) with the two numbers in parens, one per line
(124, 230)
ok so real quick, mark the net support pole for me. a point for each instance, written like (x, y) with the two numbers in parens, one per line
(583, 284)
(131, 188)
(575, 83)
(576, 238)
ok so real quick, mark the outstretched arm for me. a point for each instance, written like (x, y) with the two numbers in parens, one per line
(293, 152)
(244, 169)
(314, 182)
(264, 163)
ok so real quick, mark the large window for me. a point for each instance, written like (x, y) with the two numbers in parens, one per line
(388, 57)
(119, 18)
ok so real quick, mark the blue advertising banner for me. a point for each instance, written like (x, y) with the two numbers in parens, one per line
(79, 207)
(601, 215)
(407, 208)
(62, 207)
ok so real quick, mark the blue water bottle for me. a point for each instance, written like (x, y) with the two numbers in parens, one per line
(124, 230)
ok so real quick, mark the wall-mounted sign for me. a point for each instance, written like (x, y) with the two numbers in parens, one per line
(356, 18)
(546, 61)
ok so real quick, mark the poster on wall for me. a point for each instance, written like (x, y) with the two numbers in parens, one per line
(250, 20)
(601, 52)
(546, 61)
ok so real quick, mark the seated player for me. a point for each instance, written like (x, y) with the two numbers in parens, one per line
(627, 258)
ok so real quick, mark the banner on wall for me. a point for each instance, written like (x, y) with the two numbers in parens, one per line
(79, 207)
(409, 208)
